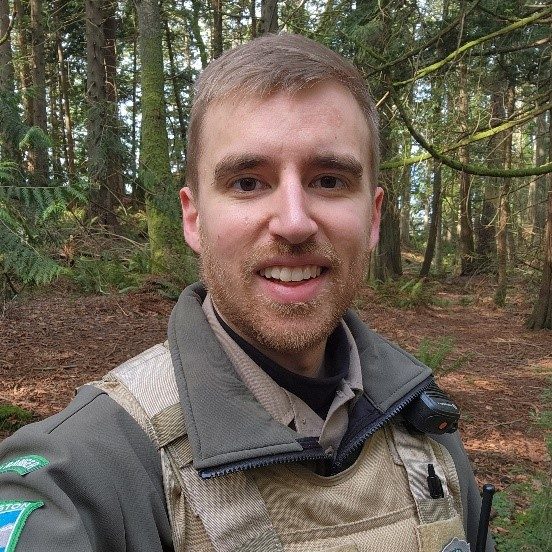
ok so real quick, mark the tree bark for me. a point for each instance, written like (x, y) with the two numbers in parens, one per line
(9, 150)
(504, 208)
(387, 255)
(216, 42)
(168, 253)
(486, 238)
(23, 24)
(64, 85)
(176, 90)
(434, 219)
(541, 317)
(103, 146)
(269, 17)
(196, 31)
(38, 157)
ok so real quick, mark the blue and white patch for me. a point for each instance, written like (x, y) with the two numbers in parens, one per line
(455, 545)
(24, 464)
(13, 516)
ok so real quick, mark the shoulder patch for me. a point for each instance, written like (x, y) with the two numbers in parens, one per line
(455, 545)
(13, 516)
(24, 464)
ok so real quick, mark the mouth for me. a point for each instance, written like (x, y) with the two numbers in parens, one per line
(292, 273)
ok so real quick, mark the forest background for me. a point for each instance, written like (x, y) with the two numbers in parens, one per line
(94, 104)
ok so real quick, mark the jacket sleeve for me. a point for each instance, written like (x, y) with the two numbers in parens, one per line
(99, 486)
(471, 497)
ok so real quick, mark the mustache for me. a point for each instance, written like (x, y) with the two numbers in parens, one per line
(277, 248)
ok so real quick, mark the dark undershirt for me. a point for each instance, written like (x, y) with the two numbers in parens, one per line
(318, 393)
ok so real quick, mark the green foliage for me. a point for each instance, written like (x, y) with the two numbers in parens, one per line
(109, 272)
(28, 234)
(530, 530)
(435, 353)
(13, 417)
(406, 294)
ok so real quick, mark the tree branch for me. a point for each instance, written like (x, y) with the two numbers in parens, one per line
(472, 43)
(468, 168)
(475, 137)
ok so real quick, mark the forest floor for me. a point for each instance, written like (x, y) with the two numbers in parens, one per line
(53, 341)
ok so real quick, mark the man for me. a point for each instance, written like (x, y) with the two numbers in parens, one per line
(271, 420)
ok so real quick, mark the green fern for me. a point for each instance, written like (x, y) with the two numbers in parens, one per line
(26, 230)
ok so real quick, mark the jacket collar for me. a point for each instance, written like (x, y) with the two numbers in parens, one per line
(226, 425)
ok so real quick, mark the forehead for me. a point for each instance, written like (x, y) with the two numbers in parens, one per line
(324, 116)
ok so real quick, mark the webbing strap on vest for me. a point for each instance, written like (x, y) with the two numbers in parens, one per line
(230, 507)
(232, 511)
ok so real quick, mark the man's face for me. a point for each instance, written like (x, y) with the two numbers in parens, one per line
(285, 217)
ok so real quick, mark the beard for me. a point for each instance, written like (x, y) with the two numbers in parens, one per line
(281, 327)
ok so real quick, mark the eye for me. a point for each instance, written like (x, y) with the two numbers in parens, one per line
(246, 184)
(328, 183)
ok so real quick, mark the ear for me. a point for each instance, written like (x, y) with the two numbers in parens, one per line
(376, 217)
(190, 219)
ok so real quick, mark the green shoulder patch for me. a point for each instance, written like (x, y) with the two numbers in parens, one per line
(13, 516)
(24, 464)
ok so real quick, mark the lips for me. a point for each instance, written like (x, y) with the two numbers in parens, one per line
(291, 273)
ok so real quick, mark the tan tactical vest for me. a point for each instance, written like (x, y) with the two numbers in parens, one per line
(380, 503)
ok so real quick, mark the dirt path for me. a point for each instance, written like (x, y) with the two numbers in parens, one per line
(53, 343)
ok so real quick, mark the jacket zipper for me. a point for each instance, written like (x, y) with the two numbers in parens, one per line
(379, 423)
(315, 451)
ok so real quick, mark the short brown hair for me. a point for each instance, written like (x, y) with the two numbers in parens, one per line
(273, 63)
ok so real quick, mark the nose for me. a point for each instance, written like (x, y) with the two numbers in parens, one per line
(292, 218)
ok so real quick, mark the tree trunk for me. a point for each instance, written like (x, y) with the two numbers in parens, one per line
(38, 157)
(536, 204)
(405, 194)
(504, 208)
(486, 239)
(253, 13)
(387, 255)
(103, 146)
(9, 149)
(269, 17)
(56, 135)
(434, 219)
(114, 182)
(23, 24)
(467, 245)
(541, 317)
(196, 31)
(176, 92)
(216, 42)
(65, 101)
(162, 208)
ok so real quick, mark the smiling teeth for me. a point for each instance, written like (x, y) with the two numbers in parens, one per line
(291, 274)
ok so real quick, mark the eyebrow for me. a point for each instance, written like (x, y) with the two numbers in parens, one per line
(342, 163)
(232, 164)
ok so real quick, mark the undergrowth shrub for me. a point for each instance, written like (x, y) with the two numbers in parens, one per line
(530, 530)
(407, 294)
(109, 272)
(435, 353)
(13, 417)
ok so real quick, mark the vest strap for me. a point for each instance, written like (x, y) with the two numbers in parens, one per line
(232, 511)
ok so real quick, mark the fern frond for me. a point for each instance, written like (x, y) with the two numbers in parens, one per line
(26, 262)
(35, 138)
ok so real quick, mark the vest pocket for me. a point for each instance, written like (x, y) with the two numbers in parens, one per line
(434, 537)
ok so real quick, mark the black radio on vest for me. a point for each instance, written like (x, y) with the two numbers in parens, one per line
(432, 412)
